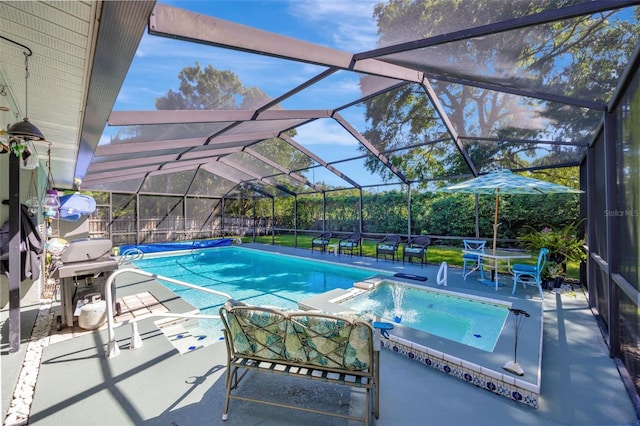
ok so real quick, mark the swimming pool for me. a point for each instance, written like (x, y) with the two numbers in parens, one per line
(251, 276)
(460, 319)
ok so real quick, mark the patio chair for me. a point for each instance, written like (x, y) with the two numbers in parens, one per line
(388, 247)
(321, 241)
(350, 243)
(473, 260)
(416, 248)
(530, 274)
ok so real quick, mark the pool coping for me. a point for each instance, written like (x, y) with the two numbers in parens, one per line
(475, 366)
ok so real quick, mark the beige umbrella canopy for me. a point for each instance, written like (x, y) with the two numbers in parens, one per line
(505, 182)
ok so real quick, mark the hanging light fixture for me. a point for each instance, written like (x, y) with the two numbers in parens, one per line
(51, 202)
(24, 129)
(33, 201)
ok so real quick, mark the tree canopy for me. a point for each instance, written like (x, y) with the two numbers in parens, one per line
(561, 54)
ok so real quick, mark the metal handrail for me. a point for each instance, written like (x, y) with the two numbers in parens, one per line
(130, 255)
(112, 346)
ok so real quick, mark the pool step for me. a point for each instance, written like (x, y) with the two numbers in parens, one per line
(185, 334)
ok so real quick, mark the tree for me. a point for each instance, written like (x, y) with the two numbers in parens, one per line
(572, 57)
(211, 89)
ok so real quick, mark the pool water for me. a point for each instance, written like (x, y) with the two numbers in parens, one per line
(250, 276)
(468, 321)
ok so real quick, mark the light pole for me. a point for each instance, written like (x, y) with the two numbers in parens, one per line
(518, 319)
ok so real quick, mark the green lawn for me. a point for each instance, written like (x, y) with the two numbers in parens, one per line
(435, 254)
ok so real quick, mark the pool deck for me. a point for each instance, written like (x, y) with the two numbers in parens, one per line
(78, 385)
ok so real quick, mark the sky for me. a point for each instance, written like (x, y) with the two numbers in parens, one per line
(343, 25)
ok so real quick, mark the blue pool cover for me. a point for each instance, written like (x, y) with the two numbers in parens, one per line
(178, 245)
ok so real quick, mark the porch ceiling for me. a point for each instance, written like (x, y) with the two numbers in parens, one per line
(81, 52)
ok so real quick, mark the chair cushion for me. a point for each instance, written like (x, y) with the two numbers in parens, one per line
(414, 250)
(386, 247)
(348, 244)
(327, 342)
(519, 267)
(470, 256)
(258, 333)
(319, 241)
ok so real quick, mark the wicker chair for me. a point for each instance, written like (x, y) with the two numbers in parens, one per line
(416, 248)
(321, 241)
(388, 247)
(350, 243)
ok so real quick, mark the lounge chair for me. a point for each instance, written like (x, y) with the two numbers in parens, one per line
(350, 243)
(530, 274)
(321, 241)
(473, 260)
(388, 247)
(416, 248)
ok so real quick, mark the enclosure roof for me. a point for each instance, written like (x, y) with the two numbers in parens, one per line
(347, 94)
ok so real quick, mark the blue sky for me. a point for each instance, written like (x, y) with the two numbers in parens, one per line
(344, 25)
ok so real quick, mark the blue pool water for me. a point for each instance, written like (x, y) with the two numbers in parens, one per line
(250, 276)
(463, 320)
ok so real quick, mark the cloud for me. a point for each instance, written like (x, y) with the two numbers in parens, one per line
(350, 23)
(324, 132)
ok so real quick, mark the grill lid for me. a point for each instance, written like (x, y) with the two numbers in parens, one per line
(86, 249)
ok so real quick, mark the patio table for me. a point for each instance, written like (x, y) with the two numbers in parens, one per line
(495, 256)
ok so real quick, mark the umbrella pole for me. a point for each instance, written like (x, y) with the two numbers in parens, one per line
(495, 235)
(495, 222)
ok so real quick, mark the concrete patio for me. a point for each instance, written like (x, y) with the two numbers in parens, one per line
(78, 385)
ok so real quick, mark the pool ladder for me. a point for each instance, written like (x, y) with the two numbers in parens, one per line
(136, 341)
(130, 255)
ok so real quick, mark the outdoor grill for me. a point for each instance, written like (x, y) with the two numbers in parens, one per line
(85, 267)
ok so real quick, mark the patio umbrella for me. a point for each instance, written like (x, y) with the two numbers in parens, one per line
(505, 182)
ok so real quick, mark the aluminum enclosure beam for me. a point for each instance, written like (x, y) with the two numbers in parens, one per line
(159, 160)
(518, 91)
(447, 122)
(283, 170)
(318, 160)
(142, 147)
(372, 149)
(143, 118)
(181, 24)
(575, 11)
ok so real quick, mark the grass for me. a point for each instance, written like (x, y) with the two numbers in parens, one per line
(435, 254)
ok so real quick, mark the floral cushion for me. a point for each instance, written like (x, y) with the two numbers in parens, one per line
(300, 337)
(348, 244)
(257, 332)
(319, 241)
(328, 342)
(386, 247)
